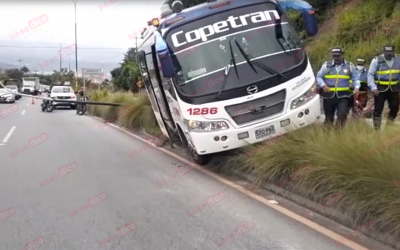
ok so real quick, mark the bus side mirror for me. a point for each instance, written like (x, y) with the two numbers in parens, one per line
(167, 67)
(310, 22)
(163, 54)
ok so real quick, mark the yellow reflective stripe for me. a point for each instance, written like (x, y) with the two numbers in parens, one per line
(387, 82)
(337, 76)
(390, 71)
(339, 89)
(351, 81)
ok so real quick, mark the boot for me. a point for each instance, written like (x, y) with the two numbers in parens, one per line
(389, 122)
(377, 123)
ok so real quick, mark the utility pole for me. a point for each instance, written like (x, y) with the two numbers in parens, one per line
(136, 52)
(19, 60)
(60, 57)
(76, 50)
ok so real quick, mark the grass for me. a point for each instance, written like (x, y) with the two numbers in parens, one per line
(343, 162)
(142, 116)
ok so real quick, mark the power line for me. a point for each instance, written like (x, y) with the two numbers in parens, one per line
(8, 46)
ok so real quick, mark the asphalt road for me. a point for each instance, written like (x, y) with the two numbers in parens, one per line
(125, 190)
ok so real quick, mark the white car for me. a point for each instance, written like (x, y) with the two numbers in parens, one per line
(6, 96)
(63, 93)
(14, 89)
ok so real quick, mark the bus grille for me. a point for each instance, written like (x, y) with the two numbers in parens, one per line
(257, 109)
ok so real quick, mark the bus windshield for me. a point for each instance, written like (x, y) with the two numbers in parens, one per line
(202, 51)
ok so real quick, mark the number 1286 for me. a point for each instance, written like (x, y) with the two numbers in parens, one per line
(203, 111)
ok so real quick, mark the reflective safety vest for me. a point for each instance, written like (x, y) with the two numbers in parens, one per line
(363, 77)
(338, 82)
(387, 77)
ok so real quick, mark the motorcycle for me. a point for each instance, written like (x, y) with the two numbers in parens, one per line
(47, 105)
(81, 107)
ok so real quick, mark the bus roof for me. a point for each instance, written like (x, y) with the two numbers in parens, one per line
(196, 12)
(203, 10)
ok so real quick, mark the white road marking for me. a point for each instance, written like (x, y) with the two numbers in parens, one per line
(23, 112)
(9, 134)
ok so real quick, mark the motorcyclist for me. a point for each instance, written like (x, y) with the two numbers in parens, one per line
(81, 92)
(81, 108)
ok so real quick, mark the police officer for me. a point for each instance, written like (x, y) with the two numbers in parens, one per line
(362, 98)
(383, 79)
(333, 79)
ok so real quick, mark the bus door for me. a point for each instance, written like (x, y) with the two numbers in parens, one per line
(158, 89)
(151, 93)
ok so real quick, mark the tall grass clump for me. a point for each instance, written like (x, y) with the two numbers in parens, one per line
(141, 117)
(354, 161)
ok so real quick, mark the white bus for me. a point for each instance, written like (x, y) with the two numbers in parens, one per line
(226, 74)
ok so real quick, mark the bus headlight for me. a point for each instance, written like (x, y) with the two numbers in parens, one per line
(304, 98)
(202, 126)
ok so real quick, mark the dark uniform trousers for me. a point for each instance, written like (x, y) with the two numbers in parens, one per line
(339, 104)
(393, 101)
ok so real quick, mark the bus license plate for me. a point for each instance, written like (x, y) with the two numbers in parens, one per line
(264, 132)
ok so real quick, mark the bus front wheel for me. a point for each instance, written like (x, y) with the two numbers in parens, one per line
(199, 159)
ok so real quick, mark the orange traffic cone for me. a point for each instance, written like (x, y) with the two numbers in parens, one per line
(33, 101)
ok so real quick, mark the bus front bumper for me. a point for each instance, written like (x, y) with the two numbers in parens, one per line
(205, 142)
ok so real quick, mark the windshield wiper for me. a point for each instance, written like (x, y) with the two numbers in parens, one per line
(261, 65)
(279, 35)
(246, 56)
(227, 70)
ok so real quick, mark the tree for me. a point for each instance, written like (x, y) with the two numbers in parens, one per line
(25, 69)
(130, 55)
(127, 75)
(14, 73)
(3, 75)
(115, 72)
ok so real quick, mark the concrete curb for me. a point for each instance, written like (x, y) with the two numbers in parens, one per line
(327, 212)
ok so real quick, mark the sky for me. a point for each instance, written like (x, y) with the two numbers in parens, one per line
(100, 24)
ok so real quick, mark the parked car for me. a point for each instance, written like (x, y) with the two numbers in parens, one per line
(6, 96)
(14, 89)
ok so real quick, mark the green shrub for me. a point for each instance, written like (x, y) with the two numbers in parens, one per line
(353, 161)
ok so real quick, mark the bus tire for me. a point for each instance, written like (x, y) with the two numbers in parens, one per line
(199, 159)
